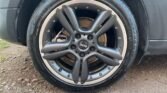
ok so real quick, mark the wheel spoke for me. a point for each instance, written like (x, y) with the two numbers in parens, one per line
(55, 55)
(84, 71)
(72, 17)
(100, 20)
(110, 52)
(76, 71)
(106, 26)
(64, 21)
(107, 60)
(55, 47)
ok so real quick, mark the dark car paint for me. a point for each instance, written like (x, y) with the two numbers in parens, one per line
(150, 16)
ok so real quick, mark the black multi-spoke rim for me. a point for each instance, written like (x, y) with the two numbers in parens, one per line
(82, 43)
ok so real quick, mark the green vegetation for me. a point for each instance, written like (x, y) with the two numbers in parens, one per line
(2, 58)
(3, 44)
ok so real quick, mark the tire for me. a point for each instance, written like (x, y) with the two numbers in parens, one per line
(33, 39)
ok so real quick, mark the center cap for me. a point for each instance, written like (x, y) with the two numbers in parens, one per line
(83, 44)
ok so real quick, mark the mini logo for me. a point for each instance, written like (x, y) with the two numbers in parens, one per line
(83, 44)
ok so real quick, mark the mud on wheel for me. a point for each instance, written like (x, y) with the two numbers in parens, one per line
(82, 44)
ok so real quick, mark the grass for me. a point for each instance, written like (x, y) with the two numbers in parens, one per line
(3, 44)
(2, 59)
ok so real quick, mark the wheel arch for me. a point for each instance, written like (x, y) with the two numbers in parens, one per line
(25, 11)
(139, 11)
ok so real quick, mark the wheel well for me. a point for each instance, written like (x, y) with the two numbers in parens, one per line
(136, 6)
(25, 12)
(138, 9)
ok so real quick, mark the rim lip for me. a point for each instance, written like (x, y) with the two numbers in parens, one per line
(56, 74)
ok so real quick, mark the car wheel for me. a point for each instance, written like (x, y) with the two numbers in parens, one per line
(82, 44)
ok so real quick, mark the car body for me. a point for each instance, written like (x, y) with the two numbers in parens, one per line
(153, 28)
(150, 16)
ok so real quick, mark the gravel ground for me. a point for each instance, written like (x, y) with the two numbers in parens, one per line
(18, 75)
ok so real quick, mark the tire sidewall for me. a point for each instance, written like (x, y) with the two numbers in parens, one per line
(45, 7)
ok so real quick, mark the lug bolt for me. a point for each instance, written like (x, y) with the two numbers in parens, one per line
(92, 48)
(73, 47)
(78, 36)
(82, 54)
(90, 37)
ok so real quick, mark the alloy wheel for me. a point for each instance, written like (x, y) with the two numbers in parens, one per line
(83, 42)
